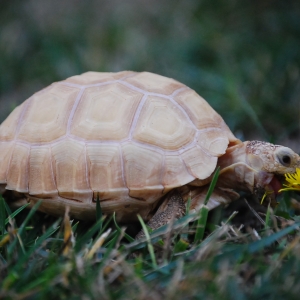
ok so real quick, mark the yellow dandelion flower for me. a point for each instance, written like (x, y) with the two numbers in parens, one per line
(292, 182)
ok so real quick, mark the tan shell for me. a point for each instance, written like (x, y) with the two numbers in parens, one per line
(127, 137)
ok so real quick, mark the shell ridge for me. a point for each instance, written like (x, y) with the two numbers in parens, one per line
(137, 89)
(75, 105)
(123, 168)
(186, 148)
(220, 129)
(28, 171)
(160, 150)
(133, 87)
(137, 115)
(10, 158)
(70, 84)
(187, 168)
(26, 166)
(179, 90)
(162, 171)
(87, 170)
(127, 76)
(77, 85)
(149, 146)
(52, 170)
(184, 112)
(197, 172)
(85, 86)
(24, 109)
(205, 151)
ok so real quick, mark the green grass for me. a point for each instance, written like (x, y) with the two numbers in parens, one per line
(46, 258)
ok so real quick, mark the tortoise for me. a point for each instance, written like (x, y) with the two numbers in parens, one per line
(139, 142)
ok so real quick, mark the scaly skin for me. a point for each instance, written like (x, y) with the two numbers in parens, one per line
(172, 208)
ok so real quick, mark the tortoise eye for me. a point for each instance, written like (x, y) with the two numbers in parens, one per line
(285, 160)
(286, 157)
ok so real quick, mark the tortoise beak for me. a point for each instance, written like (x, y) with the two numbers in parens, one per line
(271, 190)
(275, 184)
(267, 187)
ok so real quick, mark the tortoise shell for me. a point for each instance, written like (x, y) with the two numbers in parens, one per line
(127, 138)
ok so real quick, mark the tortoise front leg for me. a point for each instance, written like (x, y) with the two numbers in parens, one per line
(172, 208)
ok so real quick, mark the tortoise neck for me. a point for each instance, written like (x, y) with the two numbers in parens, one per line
(234, 154)
(234, 170)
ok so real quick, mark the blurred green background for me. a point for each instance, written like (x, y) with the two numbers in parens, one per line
(241, 56)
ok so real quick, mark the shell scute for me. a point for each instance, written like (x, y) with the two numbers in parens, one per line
(163, 124)
(106, 171)
(41, 177)
(105, 112)
(142, 168)
(70, 169)
(199, 111)
(213, 141)
(199, 163)
(17, 175)
(46, 114)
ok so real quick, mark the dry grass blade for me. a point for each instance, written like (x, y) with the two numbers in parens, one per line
(68, 234)
(255, 213)
(97, 244)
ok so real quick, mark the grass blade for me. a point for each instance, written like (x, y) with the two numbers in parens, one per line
(25, 256)
(269, 240)
(184, 236)
(7, 208)
(150, 246)
(89, 234)
(98, 209)
(2, 216)
(98, 243)
(203, 214)
(23, 226)
(201, 224)
(128, 237)
(181, 246)
(212, 185)
(16, 212)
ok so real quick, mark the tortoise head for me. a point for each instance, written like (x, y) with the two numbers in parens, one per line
(270, 162)
(257, 166)
(276, 159)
